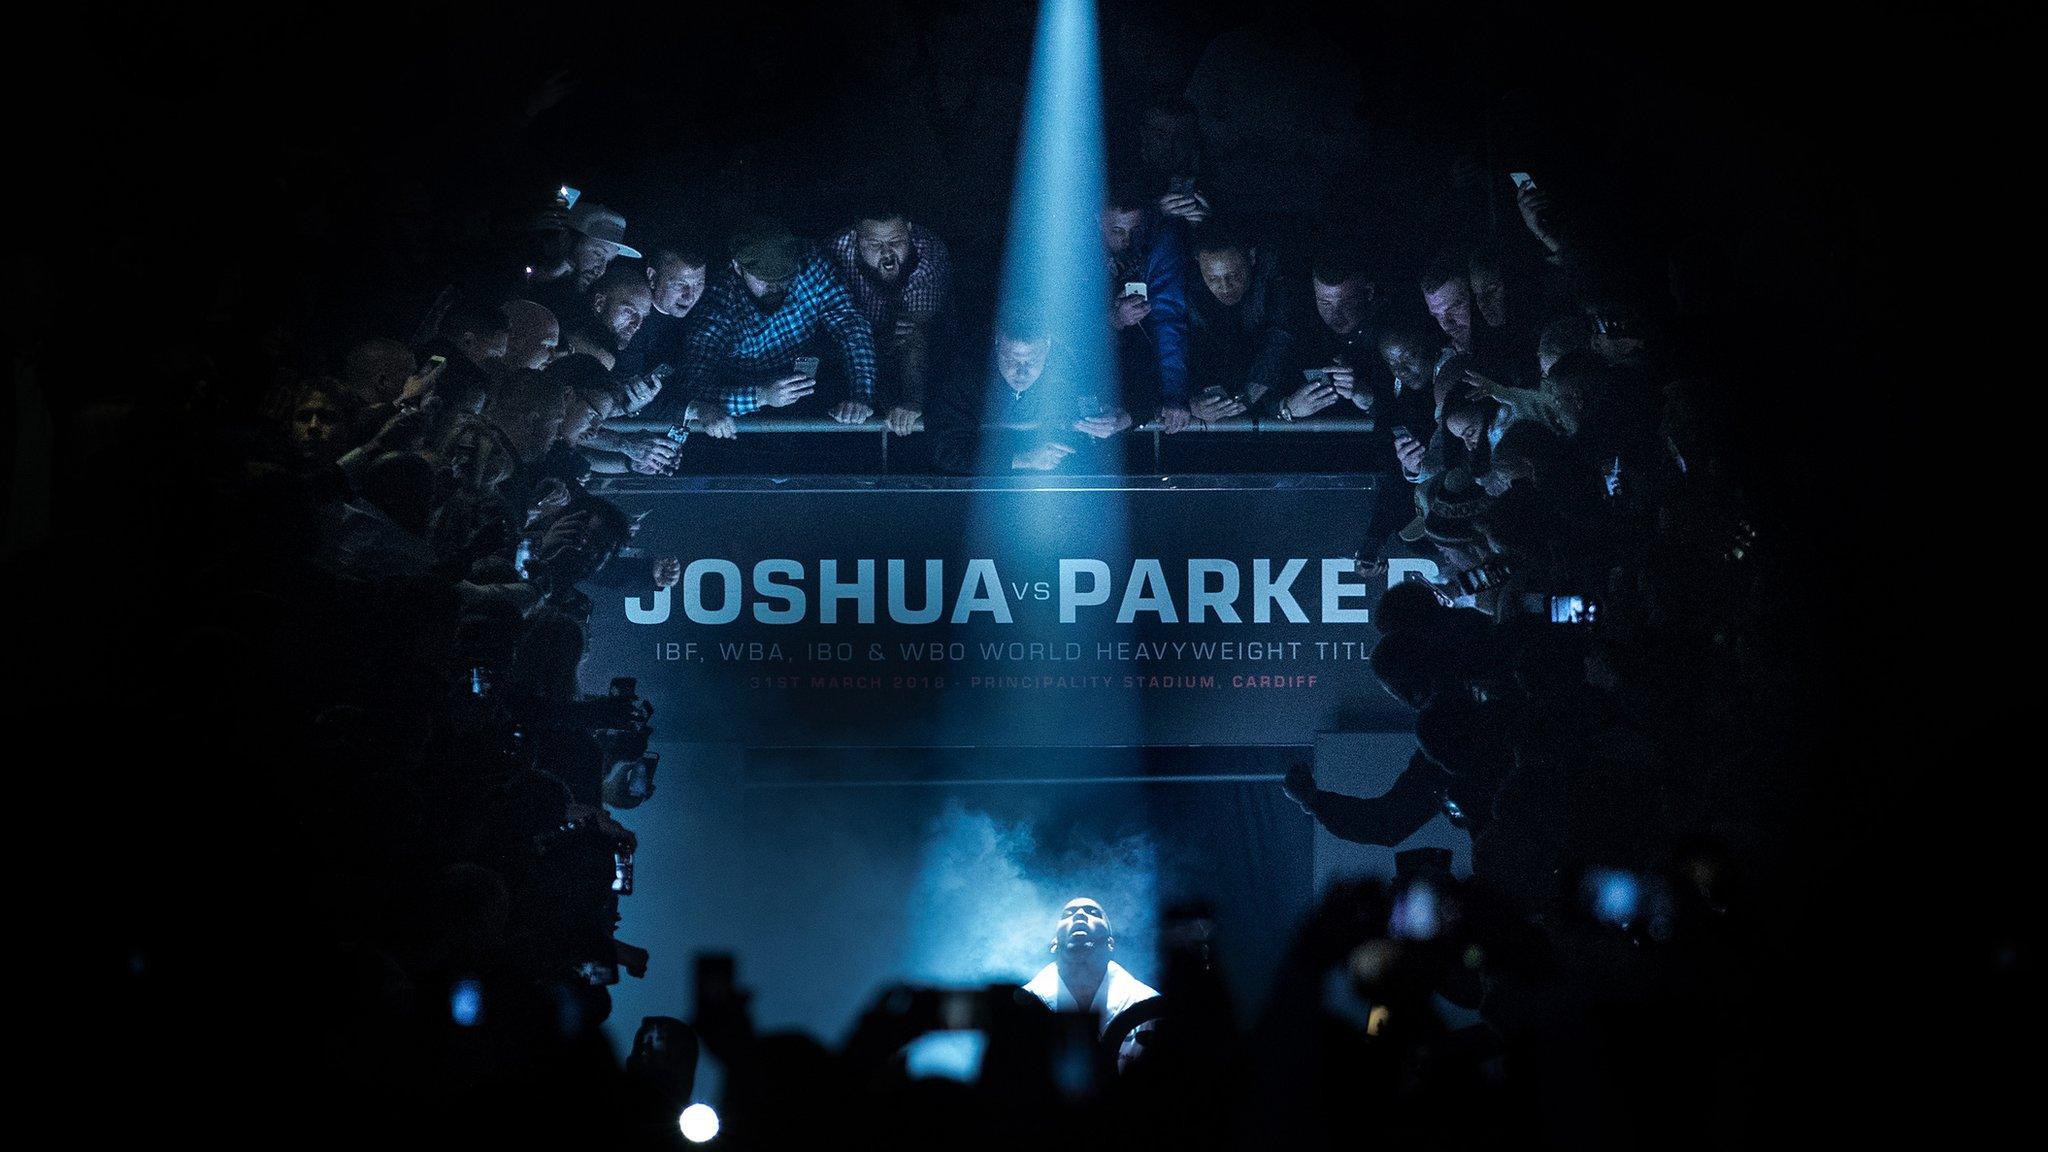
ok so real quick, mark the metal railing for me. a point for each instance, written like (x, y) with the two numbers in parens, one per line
(1149, 433)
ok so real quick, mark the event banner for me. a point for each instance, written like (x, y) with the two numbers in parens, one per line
(1076, 611)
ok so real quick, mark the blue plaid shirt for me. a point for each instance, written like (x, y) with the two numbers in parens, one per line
(739, 344)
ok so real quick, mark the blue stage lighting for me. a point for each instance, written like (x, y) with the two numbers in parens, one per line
(466, 1003)
(1053, 267)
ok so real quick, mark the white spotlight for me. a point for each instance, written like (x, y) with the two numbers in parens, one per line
(698, 1122)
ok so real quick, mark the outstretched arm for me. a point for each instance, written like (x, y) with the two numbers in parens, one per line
(1384, 820)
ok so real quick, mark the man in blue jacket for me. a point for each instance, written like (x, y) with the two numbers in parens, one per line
(1147, 259)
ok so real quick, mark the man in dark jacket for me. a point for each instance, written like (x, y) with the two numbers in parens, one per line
(1020, 410)
(1242, 338)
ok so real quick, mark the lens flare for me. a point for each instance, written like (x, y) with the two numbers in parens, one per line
(699, 1123)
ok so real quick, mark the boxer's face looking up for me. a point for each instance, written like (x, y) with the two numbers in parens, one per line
(1082, 926)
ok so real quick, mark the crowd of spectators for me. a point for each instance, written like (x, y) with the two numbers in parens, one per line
(390, 530)
(1588, 359)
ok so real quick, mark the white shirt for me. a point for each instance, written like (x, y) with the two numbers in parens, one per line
(1118, 991)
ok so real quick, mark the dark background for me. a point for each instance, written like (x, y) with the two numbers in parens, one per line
(192, 177)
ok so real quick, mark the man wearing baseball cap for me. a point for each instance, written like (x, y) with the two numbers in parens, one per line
(595, 236)
(601, 235)
(778, 299)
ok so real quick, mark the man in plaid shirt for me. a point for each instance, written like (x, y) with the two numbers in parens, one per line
(901, 279)
(779, 300)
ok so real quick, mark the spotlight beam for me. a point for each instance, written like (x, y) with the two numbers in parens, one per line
(1054, 257)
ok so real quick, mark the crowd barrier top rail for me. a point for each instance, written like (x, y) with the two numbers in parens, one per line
(1146, 439)
(874, 426)
(1017, 482)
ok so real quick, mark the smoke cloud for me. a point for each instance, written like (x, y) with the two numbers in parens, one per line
(988, 890)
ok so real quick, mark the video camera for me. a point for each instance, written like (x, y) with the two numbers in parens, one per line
(629, 766)
(592, 830)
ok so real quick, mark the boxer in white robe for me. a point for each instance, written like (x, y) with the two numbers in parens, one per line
(1082, 972)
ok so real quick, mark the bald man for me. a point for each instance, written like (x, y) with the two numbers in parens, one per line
(1082, 972)
(535, 333)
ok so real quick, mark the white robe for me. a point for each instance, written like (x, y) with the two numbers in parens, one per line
(1119, 990)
